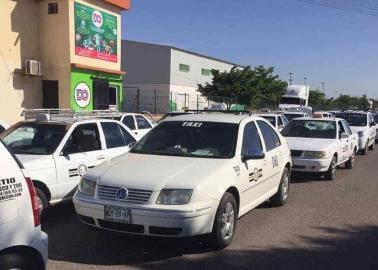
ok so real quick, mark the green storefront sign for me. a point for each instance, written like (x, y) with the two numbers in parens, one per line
(95, 33)
(82, 90)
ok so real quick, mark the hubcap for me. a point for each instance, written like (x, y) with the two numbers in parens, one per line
(39, 204)
(285, 187)
(228, 218)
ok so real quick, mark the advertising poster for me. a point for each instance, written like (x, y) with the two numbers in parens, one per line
(95, 33)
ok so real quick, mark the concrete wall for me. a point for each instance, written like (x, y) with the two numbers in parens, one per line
(19, 22)
(145, 63)
(189, 80)
(54, 39)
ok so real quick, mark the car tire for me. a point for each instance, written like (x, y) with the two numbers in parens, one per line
(331, 173)
(225, 222)
(42, 198)
(350, 163)
(371, 147)
(280, 198)
(19, 261)
(365, 150)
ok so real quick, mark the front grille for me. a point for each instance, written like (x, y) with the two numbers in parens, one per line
(137, 196)
(296, 153)
(130, 228)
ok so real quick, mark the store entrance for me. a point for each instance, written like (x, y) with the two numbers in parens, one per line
(101, 97)
(105, 96)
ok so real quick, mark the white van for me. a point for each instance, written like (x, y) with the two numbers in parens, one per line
(22, 243)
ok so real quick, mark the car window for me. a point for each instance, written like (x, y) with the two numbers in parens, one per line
(1, 128)
(34, 138)
(142, 122)
(128, 120)
(346, 127)
(270, 136)
(113, 135)
(341, 128)
(251, 139)
(84, 138)
(311, 129)
(126, 135)
(270, 119)
(284, 120)
(354, 119)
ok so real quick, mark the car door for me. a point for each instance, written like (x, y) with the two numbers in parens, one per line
(352, 141)
(373, 131)
(82, 151)
(273, 154)
(252, 170)
(343, 146)
(117, 139)
(143, 125)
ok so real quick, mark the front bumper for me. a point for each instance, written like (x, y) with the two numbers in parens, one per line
(171, 221)
(311, 165)
(41, 244)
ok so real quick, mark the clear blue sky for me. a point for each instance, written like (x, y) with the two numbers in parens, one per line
(323, 44)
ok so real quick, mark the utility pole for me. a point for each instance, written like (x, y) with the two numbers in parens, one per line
(291, 77)
(323, 83)
(305, 80)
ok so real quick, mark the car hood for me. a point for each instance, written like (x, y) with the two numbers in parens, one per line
(310, 144)
(154, 172)
(36, 162)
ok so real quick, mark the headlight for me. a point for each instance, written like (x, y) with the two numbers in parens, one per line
(87, 187)
(361, 133)
(174, 196)
(315, 154)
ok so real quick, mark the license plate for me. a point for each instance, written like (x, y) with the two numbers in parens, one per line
(117, 214)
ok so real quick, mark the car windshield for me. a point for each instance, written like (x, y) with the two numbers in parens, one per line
(291, 116)
(34, 138)
(190, 139)
(354, 119)
(310, 129)
(290, 100)
(376, 118)
(270, 119)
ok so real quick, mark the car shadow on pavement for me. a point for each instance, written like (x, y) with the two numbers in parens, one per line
(303, 177)
(70, 241)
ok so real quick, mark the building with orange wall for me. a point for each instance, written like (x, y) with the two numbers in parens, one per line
(60, 54)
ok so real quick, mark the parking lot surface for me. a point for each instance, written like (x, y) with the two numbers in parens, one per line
(325, 225)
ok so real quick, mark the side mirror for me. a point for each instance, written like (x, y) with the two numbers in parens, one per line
(372, 124)
(344, 136)
(253, 155)
(64, 152)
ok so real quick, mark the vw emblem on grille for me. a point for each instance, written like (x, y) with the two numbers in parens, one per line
(122, 194)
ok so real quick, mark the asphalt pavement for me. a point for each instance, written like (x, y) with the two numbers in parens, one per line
(325, 225)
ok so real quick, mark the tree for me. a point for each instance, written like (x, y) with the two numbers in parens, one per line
(317, 99)
(244, 86)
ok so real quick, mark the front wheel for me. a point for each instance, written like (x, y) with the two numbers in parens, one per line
(350, 163)
(365, 150)
(224, 222)
(331, 173)
(371, 147)
(280, 198)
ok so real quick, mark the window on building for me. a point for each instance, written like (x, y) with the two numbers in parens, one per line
(184, 68)
(206, 72)
(52, 8)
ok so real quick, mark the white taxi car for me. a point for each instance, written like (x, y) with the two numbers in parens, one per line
(191, 175)
(138, 123)
(279, 121)
(56, 153)
(22, 243)
(320, 145)
(363, 124)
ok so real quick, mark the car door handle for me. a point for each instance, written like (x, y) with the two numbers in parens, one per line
(100, 157)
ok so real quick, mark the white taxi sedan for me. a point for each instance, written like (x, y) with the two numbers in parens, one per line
(190, 175)
(320, 145)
